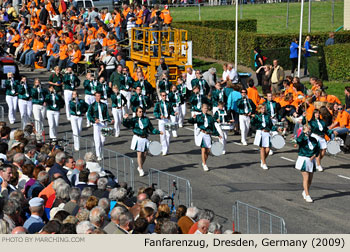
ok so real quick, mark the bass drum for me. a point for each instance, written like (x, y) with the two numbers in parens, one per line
(333, 147)
(155, 148)
(278, 142)
(216, 149)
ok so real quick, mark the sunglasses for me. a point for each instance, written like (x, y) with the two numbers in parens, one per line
(340, 108)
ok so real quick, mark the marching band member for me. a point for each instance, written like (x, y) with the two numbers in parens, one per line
(56, 79)
(196, 102)
(181, 86)
(309, 149)
(24, 101)
(98, 116)
(139, 100)
(272, 108)
(54, 102)
(11, 96)
(162, 111)
(176, 98)
(146, 87)
(104, 90)
(201, 83)
(90, 86)
(164, 84)
(126, 85)
(141, 127)
(39, 106)
(206, 124)
(217, 95)
(118, 102)
(71, 82)
(77, 109)
(221, 116)
(245, 108)
(318, 131)
(264, 126)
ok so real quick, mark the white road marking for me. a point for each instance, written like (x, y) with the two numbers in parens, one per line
(237, 143)
(288, 159)
(341, 176)
(189, 128)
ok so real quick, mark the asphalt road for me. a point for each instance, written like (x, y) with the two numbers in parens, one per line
(238, 176)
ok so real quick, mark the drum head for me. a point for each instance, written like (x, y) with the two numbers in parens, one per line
(333, 147)
(217, 149)
(155, 148)
(277, 142)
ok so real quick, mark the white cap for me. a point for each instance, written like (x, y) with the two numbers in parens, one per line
(35, 202)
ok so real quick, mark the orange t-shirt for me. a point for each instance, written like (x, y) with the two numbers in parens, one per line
(63, 52)
(125, 12)
(76, 56)
(139, 17)
(117, 19)
(49, 49)
(68, 40)
(37, 45)
(112, 44)
(166, 16)
(333, 99)
(88, 39)
(343, 119)
(46, 193)
(94, 31)
(310, 112)
(26, 44)
(101, 30)
(253, 94)
(16, 40)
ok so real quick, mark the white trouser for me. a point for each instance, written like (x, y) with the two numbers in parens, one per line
(53, 118)
(89, 99)
(165, 138)
(127, 95)
(67, 99)
(39, 117)
(175, 119)
(25, 109)
(195, 132)
(76, 122)
(12, 104)
(99, 139)
(183, 114)
(244, 124)
(118, 117)
(223, 139)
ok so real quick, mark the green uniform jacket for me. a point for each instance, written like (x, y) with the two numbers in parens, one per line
(126, 82)
(71, 83)
(135, 102)
(56, 79)
(182, 88)
(250, 104)
(257, 122)
(146, 87)
(164, 86)
(199, 119)
(9, 89)
(115, 79)
(159, 109)
(194, 102)
(202, 84)
(89, 87)
(147, 126)
(220, 114)
(78, 109)
(58, 101)
(105, 90)
(304, 149)
(316, 130)
(276, 108)
(39, 97)
(118, 100)
(216, 96)
(92, 113)
(176, 100)
(22, 94)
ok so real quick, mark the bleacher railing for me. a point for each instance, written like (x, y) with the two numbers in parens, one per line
(248, 219)
(119, 164)
(176, 187)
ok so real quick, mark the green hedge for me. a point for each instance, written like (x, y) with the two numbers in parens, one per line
(337, 61)
(247, 25)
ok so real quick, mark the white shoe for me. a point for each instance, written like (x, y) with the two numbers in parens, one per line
(244, 143)
(270, 153)
(164, 154)
(205, 167)
(261, 164)
(99, 159)
(174, 136)
(181, 126)
(223, 152)
(319, 168)
(141, 172)
(308, 199)
(116, 135)
(304, 195)
(264, 166)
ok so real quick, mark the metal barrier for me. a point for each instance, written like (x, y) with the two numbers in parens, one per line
(119, 164)
(248, 219)
(176, 187)
(2, 113)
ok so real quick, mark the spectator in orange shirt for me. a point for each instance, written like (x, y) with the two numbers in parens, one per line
(63, 55)
(117, 23)
(253, 93)
(166, 16)
(330, 98)
(74, 57)
(111, 43)
(342, 123)
(15, 41)
(39, 49)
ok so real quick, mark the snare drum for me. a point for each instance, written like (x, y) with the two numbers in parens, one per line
(107, 131)
(155, 148)
(277, 142)
(217, 149)
(226, 126)
(333, 147)
(170, 126)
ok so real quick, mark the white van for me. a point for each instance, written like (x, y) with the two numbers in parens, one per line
(100, 4)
